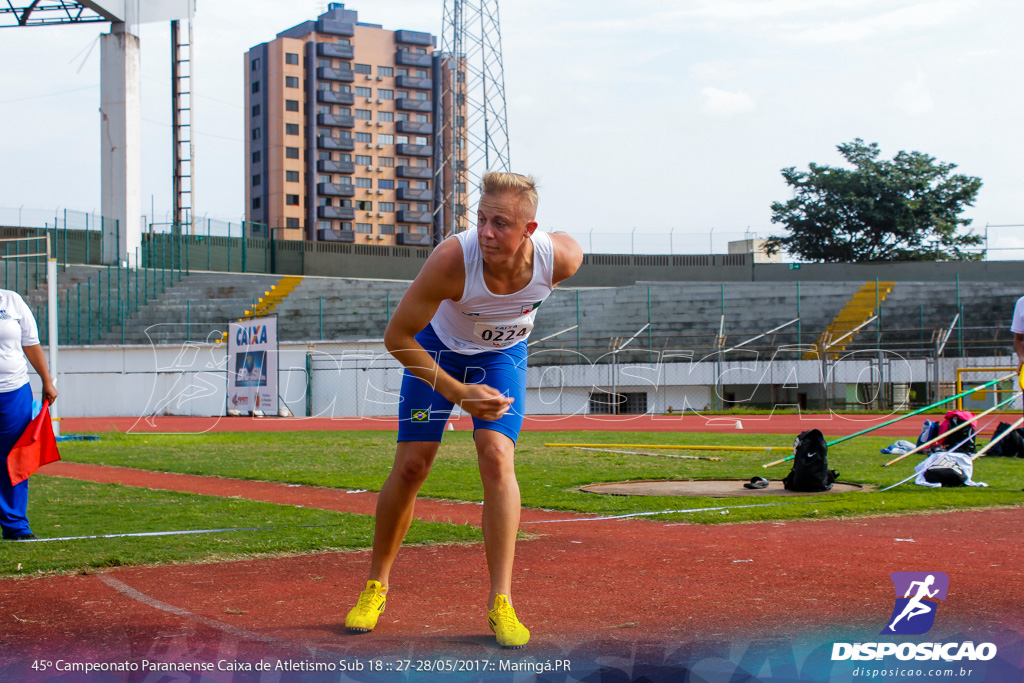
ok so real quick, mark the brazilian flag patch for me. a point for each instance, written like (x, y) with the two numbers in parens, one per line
(420, 415)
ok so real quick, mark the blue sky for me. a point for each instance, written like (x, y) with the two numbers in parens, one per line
(638, 118)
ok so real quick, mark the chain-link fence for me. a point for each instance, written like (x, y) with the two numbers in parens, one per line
(361, 380)
(365, 383)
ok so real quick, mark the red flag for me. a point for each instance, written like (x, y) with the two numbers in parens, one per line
(36, 447)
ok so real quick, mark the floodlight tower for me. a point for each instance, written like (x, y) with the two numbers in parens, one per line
(183, 150)
(472, 124)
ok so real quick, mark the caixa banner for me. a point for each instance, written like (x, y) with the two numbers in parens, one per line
(252, 366)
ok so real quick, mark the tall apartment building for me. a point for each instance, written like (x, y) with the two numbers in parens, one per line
(340, 132)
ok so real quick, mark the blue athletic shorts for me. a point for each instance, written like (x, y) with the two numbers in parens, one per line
(423, 413)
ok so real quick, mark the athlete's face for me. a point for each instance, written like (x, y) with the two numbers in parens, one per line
(503, 225)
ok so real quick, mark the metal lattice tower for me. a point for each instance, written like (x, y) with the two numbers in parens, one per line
(473, 130)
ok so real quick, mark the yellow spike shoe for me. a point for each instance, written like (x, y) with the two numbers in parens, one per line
(363, 617)
(502, 619)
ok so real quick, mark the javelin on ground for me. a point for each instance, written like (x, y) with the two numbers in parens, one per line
(993, 442)
(914, 473)
(679, 447)
(942, 437)
(663, 455)
(903, 417)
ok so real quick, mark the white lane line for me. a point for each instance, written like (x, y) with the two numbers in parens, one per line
(241, 633)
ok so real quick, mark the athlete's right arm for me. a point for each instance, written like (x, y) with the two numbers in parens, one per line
(443, 277)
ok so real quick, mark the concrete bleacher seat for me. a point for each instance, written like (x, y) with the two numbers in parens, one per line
(204, 301)
(339, 308)
(690, 314)
(682, 314)
(986, 308)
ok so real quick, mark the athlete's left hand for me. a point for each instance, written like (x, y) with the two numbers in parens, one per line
(484, 402)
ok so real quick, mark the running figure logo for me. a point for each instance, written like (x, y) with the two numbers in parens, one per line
(914, 612)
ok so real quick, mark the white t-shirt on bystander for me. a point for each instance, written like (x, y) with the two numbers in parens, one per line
(1017, 326)
(17, 329)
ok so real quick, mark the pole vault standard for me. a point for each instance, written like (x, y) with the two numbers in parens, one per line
(942, 437)
(904, 417)
(763, 334)
(615, 367)
(552, 336)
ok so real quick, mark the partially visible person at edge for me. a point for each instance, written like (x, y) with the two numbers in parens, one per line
(19, 339)
(1017, 327)
(460, 330)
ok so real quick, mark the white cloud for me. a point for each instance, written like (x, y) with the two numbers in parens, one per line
(716, 70)
(913, 98)
(851, 27)
(839, 32)
(724, 103)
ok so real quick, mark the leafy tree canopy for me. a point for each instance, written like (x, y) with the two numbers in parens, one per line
(906, 209)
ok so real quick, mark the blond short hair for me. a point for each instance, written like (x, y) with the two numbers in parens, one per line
(499, 182)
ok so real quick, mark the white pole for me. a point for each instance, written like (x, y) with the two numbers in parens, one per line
(552, 336)
(54, 333)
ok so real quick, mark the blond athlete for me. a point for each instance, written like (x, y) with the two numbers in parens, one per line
(460, 331)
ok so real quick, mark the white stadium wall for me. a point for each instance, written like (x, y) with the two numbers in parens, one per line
(359, 379)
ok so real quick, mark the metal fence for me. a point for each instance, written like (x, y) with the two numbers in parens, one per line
(363, 384)
(91, 308)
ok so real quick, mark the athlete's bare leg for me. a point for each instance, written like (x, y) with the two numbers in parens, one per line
(396, 503)
(496, 458)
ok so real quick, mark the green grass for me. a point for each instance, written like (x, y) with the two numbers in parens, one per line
(549, 477)
(65, 507)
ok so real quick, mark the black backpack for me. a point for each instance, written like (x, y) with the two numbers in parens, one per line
(952, 421)
(1010, 447)
(810, 464)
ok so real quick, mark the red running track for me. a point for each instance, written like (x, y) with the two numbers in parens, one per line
(589, 589)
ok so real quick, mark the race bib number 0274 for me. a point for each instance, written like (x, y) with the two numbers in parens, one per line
(501, 335)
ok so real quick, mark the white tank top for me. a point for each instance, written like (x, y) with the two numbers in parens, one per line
(482, 321)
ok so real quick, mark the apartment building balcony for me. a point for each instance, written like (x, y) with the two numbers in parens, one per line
(335, 28)
(414, 83)
(414, 38)
(407, 193)
(331, 166)
(413, 240)
(335, 97)
(335, 190)
(326, 73)
(409, 104)
(336, 143)
(420, 172)
(336, 235)
(334, 120)
(414, 217)
(335, 50)
(345, 213)
(406, 58)
(415, 127)
(407, 150)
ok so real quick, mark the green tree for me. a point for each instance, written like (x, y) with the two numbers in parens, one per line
(906, 209)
